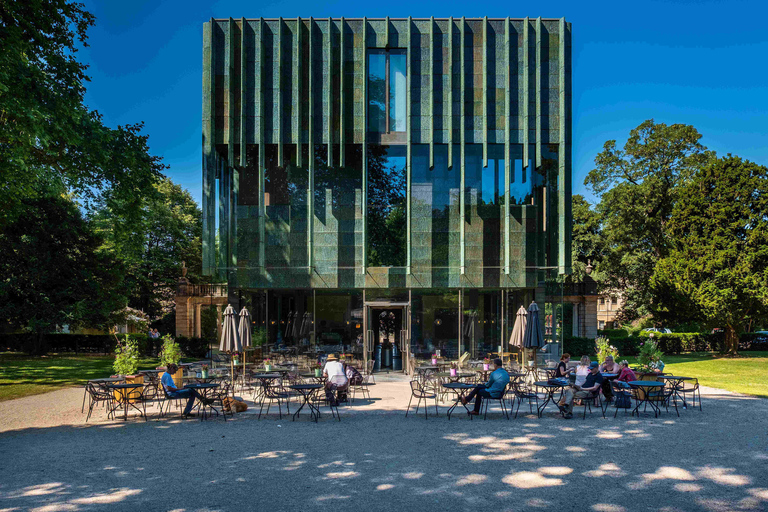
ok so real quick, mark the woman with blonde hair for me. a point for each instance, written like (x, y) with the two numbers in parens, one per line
(582, 370)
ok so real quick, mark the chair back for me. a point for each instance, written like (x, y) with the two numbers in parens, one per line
(416, 388)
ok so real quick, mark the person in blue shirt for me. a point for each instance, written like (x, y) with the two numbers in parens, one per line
(173, 392)
(494, 388)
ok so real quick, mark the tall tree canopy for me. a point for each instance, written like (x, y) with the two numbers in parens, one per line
(164, 230)
(54, 271)
(718, 256)
(638, 187)
(49, 140)
(587, 240)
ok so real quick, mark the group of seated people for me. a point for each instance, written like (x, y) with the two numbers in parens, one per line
(338, 377)
(589, 379)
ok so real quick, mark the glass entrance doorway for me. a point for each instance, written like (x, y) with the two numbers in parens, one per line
(387, 343)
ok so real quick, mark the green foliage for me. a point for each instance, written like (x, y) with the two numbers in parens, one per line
(126, 357)
(163, 230)
(613, 333)
(587, 239)
(171, 351)
(717, 266)
(603, 349)
(649, 355)
(193, 347)
(49, 140)
(54, 272)
(638, 187)
(260, 337)
(209, 321)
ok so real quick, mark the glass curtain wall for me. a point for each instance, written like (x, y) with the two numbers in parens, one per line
(481, 325)
(435, 212)
(435, 324)
(387, 71)
(339, 320)
(386, 229)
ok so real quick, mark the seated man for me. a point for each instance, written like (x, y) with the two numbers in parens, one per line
(335, 378)
(494, 388)
(591, 384)
(173, 392)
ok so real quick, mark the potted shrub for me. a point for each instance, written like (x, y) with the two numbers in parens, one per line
(127, 362)
(171, 354)
(603, 348)
(649, 362)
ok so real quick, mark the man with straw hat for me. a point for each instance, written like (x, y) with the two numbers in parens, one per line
(335, 378)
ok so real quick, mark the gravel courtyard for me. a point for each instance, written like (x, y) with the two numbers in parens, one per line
(376, 459)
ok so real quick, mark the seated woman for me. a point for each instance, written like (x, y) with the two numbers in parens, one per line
(582, 370)
(335, 379)
(562, 370)
(609, 366)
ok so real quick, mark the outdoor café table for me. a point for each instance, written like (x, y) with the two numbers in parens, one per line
(312, 376)
(446, 377)
(609, 376)
(266, 381)
(306, 391)
(550, 388)
(483, 374)
(461, 389)
(647, 386)
(676, 381)
(123, 399)
(425, 371)
(101, 383)
(516, 375)
(204, 388)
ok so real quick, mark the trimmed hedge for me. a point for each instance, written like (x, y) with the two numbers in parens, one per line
(674, 343)
(57, 342)
(613, 333)
(193, 347)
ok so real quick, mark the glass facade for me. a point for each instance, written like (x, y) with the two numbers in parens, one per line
(387, 107)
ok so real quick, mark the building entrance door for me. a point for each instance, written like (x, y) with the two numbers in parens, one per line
(387, 336)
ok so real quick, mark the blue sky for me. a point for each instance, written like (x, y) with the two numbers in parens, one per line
(692, 62)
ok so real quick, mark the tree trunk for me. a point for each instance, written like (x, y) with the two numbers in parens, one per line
(731, 341)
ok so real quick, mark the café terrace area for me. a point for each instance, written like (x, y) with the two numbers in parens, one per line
(376, 458)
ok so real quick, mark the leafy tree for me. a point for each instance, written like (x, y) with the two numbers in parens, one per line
(54, 271)
(638, 187)
(164, 231)
(587, 239)
(49, 140)
(718, 257)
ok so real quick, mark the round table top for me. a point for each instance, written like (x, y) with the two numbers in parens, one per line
(300, 387)
(203, 385)
(108, 379)
(458, 385)
(151, 371)
(609, 375)
(459, 375)
(312, 374)
(266, 375)
(516, 374)
(547, 384)
(428, 367)
(126, 386)
(645, 383)
(674, 377)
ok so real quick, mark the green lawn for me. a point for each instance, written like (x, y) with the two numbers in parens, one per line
(745, 374)
(22, 375)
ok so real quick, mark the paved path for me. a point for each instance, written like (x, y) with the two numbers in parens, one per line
(376, 459)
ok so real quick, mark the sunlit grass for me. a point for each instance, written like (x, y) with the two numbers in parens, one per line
(745, 374)
(22, 375)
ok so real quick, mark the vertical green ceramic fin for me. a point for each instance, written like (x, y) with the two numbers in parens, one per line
(538, 92)
(462, 129)
(342, 139)
(485, 91)
(209, 137)
(431, 82)
(525, 107)
(311, 150)
(408, 160)
(243, 90)
(262, 151)
(507, 161)
(365, 146)
(449, 93)
(564, 155)
(328, 92)
(297, 138)
(278, 66)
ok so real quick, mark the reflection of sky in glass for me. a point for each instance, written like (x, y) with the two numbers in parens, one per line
(434, 186)
(397, 70)
(376, 92)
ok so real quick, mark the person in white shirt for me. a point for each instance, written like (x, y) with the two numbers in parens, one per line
(335, 378)
(582, 370)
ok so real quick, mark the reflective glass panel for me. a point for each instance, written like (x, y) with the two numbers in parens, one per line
(435, 324)
(397, 95)
(377, 90)
(386, 229)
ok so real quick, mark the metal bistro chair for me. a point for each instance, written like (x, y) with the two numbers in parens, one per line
(692, 387)
(664, 396)
(500, 400)
(362, 387)
(97, 395)
(622, 397)
(420, 393)
(275, 393)
(522, 391)
(587, 401)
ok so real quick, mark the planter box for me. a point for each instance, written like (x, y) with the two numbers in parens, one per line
(133, 395)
